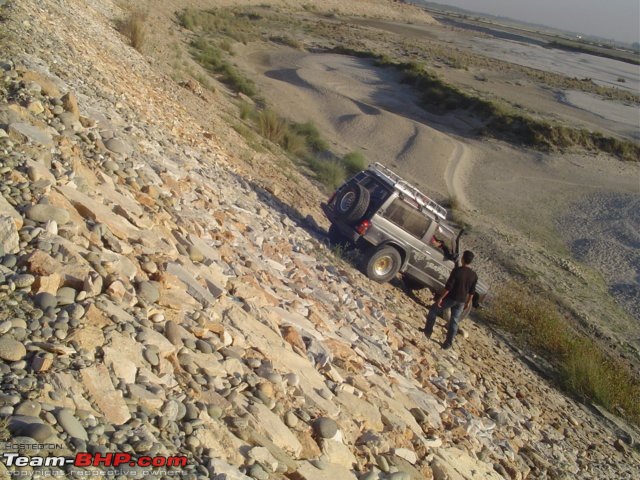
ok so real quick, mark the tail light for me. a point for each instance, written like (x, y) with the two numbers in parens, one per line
(332, 197)
(363, 227)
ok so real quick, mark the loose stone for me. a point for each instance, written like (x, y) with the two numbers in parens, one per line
(11, 350)
(325, 427)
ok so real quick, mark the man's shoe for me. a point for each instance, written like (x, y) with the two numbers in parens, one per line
(427, 334)
(446, 346)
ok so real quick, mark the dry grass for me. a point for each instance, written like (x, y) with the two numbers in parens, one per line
(330, 173)
(288, 41)
(272, 127)
(134, 28)
(584, 368)
(5, 434)
(295, 144)
(207, 54)
(353, 162)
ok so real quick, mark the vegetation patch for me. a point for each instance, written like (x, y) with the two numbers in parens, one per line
(354, 162)
(211, 57)
(311, 135)
(500, 120)
(600, 51)
(303, 143)
(584, 368)
(134, 28)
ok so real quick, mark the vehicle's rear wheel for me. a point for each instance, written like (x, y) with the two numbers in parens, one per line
(382, 264)
(352, 203)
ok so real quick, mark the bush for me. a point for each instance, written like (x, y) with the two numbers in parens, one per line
(329, 172)
(226, 46)
(272, 127)
(133, 27)
(312, 136)
(187, 19)
(353, 163)
(211, 58)
(287, 41)
(584, 368)
(247, 111)
(295, 144)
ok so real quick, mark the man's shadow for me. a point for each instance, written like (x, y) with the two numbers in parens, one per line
(412, 293)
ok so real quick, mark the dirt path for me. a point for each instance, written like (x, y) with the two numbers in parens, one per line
(458, 167)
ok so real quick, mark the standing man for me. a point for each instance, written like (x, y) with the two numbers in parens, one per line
(457, 296)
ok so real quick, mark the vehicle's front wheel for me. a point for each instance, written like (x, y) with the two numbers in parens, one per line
(382, 264)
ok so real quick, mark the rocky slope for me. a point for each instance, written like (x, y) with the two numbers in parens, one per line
(161, 297)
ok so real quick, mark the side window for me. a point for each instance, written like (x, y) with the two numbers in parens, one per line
(407, 218)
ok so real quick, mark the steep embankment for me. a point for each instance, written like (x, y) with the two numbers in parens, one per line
(157, 300)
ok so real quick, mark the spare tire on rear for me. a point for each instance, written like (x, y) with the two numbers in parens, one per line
(352, 203)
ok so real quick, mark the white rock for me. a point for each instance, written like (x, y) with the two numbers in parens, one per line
(51, 227)
(409, 455)
(9, 239)
(263, 457)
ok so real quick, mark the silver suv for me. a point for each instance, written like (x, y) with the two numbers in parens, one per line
(398, 228)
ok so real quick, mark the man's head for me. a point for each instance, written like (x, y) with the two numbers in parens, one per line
(467, 257)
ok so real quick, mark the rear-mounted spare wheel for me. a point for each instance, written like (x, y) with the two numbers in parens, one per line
(352, 203)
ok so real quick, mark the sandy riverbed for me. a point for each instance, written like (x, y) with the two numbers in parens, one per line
(359, 106)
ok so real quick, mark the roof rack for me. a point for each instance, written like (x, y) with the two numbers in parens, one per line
(404, 187)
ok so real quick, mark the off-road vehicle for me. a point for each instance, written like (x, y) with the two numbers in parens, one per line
(398, 228)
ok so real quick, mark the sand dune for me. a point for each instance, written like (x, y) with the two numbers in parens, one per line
(360, 107)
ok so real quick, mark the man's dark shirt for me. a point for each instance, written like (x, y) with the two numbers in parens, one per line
(462, 282)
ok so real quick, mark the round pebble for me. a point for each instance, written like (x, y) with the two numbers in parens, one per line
(38, 431)
(66, 296)
(71, 424)
(23, 280)
(290, 419)
(11, 350)
(325, 427)
(28, 408)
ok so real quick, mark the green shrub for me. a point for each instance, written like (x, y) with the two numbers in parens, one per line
(353, 162)
(286, 40)
(226, 46)
(204, 81)
(295, 144)
(247, 111)
(312, 136)
(272, 127)
(212, 58)
(238, 81)
(584, 368)
(329, 172)
(133, 27)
